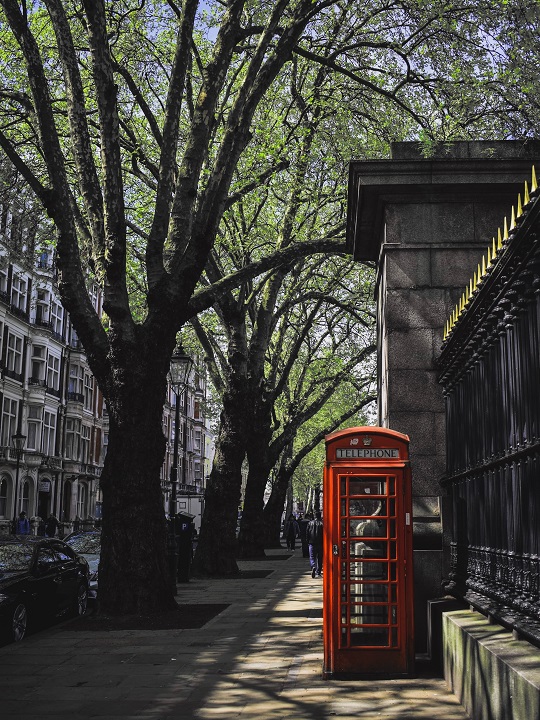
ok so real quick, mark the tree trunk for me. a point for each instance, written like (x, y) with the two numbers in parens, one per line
(216, 549)
(273, 510)
(272, 513)
(250, 537)
(134, 575)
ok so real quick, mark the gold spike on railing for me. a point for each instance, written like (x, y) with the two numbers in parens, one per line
(505, 236)
(534, 184)
(513, 220)
(470, 287)
(483, 265)
(526, 198)
(489, 256)
(519, 207)
(493, 250)
(479, 275)
(467, 295)
(499, 240)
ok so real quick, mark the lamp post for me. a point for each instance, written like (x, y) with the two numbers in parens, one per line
(18, 440)
(180, 369)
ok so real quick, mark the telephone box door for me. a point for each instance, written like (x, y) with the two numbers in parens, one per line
(368, 605)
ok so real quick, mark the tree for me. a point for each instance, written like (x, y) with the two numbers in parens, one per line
(129, 121)
(90, 134)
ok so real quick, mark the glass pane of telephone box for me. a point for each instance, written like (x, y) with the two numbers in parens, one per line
(368, 528)
(367, 507)
(373, 549)
(368, 592)
(365, 571)
(367, 486)
(369, 614)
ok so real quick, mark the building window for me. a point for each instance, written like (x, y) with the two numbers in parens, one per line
(73, 438)
(3, 496)
(85, 444)
(53, 372)
(49, 433)
(88, 391)
(42, 307)
(76, 380)
(34, 427)
(3, 284)
(18, 292)
(38, 364)
(25, 498)
(9, 420)
(82, 500)
(57, 317)
(14, 353)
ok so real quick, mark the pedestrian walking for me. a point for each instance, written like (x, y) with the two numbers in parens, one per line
(314, 534)
(302, 524)
(22, 526)
(292, 531)
(51, 526)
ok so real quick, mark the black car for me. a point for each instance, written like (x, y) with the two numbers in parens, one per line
(40, 578)
(88, 545)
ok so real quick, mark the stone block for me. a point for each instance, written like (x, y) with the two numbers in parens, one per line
(427, 585)
(436, 608)
(427, 535)
(414, 391)
(494, 676)
(408, 349)
(488, 217)
(426, 223)
(417, 308)
(406, 267)
(420, 426)
(426, 506)
(466, 150)
(454, 267)
(427, 470)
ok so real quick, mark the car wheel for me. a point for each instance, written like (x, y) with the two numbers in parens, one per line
(81, 601)
(19, 622)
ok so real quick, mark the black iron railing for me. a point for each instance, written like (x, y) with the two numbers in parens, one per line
(490, 371)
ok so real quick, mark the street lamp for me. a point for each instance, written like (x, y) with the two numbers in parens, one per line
(180, 369)
(18, 440)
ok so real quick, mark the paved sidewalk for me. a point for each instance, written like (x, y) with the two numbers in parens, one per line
(260, 659)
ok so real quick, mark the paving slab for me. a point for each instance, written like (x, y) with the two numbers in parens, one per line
(259, 659)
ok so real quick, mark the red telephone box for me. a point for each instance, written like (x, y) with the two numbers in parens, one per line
(368, 580)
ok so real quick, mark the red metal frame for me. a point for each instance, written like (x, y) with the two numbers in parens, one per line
(368, 582)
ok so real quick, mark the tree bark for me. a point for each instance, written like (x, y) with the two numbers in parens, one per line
(134, 529)
(216, 549)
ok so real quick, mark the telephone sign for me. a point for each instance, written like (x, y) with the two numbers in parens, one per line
(368, 603)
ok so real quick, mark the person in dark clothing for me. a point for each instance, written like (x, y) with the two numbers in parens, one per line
(314, 534)
(302, 524)
(22, 526)
(292, 531)
(51, 526)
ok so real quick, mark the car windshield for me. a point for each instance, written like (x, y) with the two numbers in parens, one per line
(85, 543)
(15, 557)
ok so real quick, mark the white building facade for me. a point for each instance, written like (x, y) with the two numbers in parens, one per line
(49, 398)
